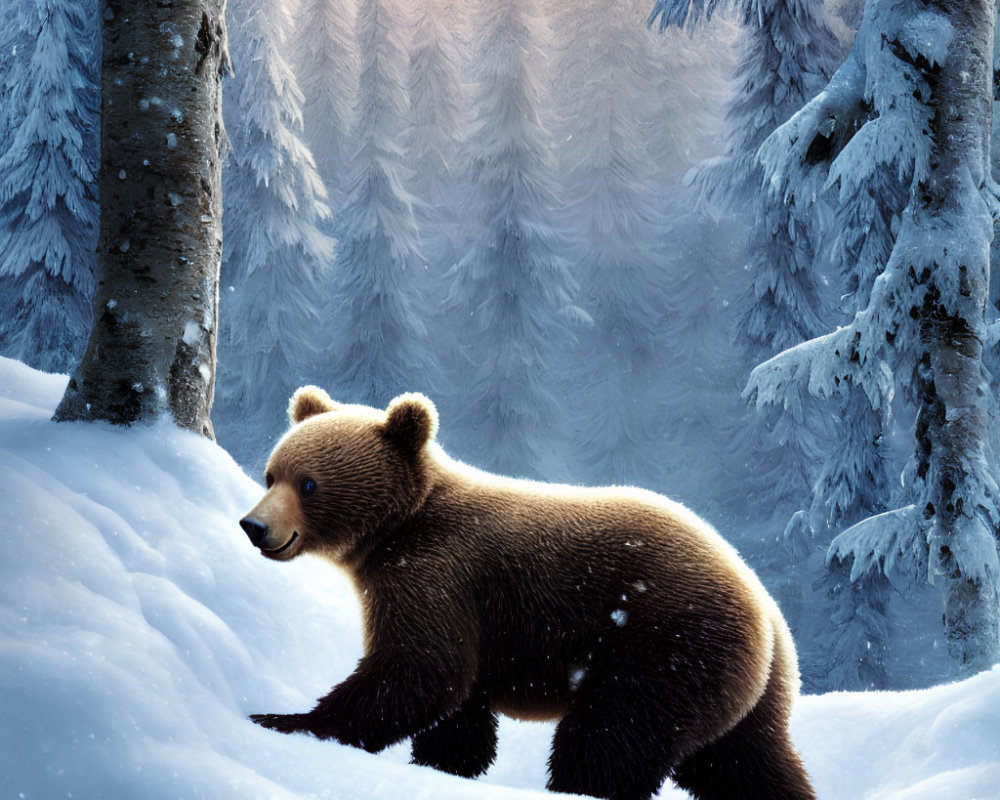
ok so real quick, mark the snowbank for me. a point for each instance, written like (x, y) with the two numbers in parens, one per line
(138, 629)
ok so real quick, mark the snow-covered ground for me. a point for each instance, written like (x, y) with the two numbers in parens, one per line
(138, 629)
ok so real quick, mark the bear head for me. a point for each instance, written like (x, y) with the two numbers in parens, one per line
(341, 474)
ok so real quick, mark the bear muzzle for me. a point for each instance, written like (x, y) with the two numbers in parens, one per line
(258, 535)
(275, 524)
(256, 531)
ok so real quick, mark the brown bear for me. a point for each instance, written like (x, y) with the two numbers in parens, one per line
(615, 611)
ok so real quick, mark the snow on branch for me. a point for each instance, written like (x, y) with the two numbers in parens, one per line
(814, 131)
(904, 547)
(926, 35)
(805, 368)
(820, 367)
(869, 117)
(891, 543)
(877, 342)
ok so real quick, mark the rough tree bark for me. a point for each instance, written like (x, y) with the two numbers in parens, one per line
(151, 350)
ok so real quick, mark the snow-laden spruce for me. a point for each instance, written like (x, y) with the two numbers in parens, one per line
(378, 344)
(913, 100)
(48, 179)
(271, 304)
(139, 628)
(605, 61)
(434, 134)
(511, 293)
(787, 53)
(653, 268)
(325, 58)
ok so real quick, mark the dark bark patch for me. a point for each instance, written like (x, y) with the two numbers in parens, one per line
(203, 42)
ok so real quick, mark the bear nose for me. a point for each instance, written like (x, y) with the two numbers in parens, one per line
(254, 530)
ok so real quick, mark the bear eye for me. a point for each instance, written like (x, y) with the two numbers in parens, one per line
(269, 480)
(307, 487)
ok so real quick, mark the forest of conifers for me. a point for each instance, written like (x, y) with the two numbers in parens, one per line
(737, 252)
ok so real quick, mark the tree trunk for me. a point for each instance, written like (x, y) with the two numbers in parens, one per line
(151, 350)
(949, 209)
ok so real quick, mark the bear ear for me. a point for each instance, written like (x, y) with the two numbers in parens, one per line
(411, 421)
(307, 402)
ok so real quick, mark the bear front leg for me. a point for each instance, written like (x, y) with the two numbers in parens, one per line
(464, 743)
(389, 697)
(283, 723)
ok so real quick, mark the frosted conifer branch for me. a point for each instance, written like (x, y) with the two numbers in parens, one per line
(904, 548)
(822, 125)
(805, 368)
(891, 543)
(876, 342)
(684, 14)
(821, 367)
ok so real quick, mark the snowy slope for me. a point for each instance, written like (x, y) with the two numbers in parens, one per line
(138, 629)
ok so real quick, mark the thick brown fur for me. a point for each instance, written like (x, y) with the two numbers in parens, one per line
(615, 611)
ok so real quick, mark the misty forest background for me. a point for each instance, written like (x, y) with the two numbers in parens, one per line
(558, 221)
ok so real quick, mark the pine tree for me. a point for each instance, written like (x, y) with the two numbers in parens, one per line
(436, 130)
(512, 288)
(271, 332)
(606, 63)
(48, 183)
(379, 339)
(854, 482)
(692, 407)
(914, 99)
(788, 54)
(688, 96)
(326, 65)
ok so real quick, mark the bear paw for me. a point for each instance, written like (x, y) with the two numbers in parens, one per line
(284, 723)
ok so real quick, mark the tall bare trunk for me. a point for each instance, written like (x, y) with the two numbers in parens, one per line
(151, 350)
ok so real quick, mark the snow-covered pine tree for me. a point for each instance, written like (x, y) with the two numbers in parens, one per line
(380, 343)
(684, 114)
(914, 98)
(48, 182)
(326, 66)
(512, 289)
(271, 337)
(437, 121)
(18, 30)
(788, 54)
(858, 476)
(606, 63)
(696, 410)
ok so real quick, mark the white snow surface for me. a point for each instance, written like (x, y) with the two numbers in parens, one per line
(138, 629)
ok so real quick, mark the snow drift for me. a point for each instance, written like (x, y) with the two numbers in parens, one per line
(138, 629)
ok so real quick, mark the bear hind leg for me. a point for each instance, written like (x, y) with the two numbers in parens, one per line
(753, 761)
(605, 747)
(463, 744)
